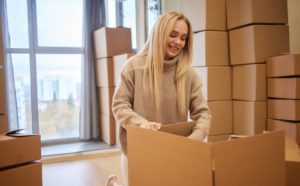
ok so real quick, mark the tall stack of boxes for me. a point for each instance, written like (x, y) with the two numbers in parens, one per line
(284, 94)
(112, 49)
(211, 61)
(257, 30)
(18, 155)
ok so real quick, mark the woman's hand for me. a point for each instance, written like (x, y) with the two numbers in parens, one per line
(151, 126)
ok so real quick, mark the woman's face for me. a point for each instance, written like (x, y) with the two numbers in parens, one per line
(176, 40)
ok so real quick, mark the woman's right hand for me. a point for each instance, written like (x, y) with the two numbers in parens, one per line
(151, 126)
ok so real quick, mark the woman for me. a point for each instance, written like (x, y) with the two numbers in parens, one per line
(158, 85)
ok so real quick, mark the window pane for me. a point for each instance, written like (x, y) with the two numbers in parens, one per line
(111, 9)
(17, 23)
(22, 83)
(60, 23)
(59, 82)
(153, 12)
(129, 11)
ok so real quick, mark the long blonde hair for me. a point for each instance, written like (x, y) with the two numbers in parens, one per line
(154, 50)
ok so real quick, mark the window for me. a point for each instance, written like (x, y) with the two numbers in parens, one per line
(123, 13)
(45, 47)
(153, 12)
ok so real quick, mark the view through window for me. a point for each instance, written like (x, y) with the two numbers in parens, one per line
(46, 49)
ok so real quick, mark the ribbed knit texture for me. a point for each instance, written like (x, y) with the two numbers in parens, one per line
(132, 103)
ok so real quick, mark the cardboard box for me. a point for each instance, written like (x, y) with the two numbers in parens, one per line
(216, 83)
(206, 14)
(2, 92)
(28, 174)
(249, 117)
(284, 109)
(19, 150)
(119, 62)
(221, 122)
(167, 157)
(108, 129)
(104, 72)
(253, 44)
(216, 138)
(245, 12)
(288, 88)
(292, 163)
(3, 124)
(292, 129)
(249, 82)
(210, 49)
(109, 42)
(105, 95)
(284, 65)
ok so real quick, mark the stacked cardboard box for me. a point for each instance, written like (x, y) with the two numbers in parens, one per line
(112, 49)
(257, 31)
(211, 60)
(284, 94)
(19, 163)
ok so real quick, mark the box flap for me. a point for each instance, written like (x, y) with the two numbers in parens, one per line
(181, 129)
(157, 158)
(255, 160)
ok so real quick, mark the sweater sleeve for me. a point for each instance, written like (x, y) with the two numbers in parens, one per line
(122, 104)
(199, 110)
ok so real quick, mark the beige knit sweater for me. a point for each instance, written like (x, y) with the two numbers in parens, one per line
(132, 104)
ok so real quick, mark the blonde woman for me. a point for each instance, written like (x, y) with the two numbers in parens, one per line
(158, 85)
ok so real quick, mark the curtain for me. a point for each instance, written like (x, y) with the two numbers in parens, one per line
(89, 117)
(12, 112)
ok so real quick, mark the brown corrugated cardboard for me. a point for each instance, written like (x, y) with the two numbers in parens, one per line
(163, 158)
(210, 49)
(221, 122)
(292, 129)
(215, 138)
(284, 109)
(253, 44)
(244, 12)
(108, 129)
(119, 62)
(2, 92)
(104, 72)
(206, 14)
(288, 88)
(109, 42)
(27, 175)
(105, 95)
(249, 117)
(284, 65)
(216, 83)
(249, 82)
(18, 150)
(292, 157)
(3, 124)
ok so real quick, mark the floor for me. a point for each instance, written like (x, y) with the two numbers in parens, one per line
(84, 172)
(75, 147)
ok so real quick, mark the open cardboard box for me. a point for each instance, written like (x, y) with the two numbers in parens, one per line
(167, 157)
